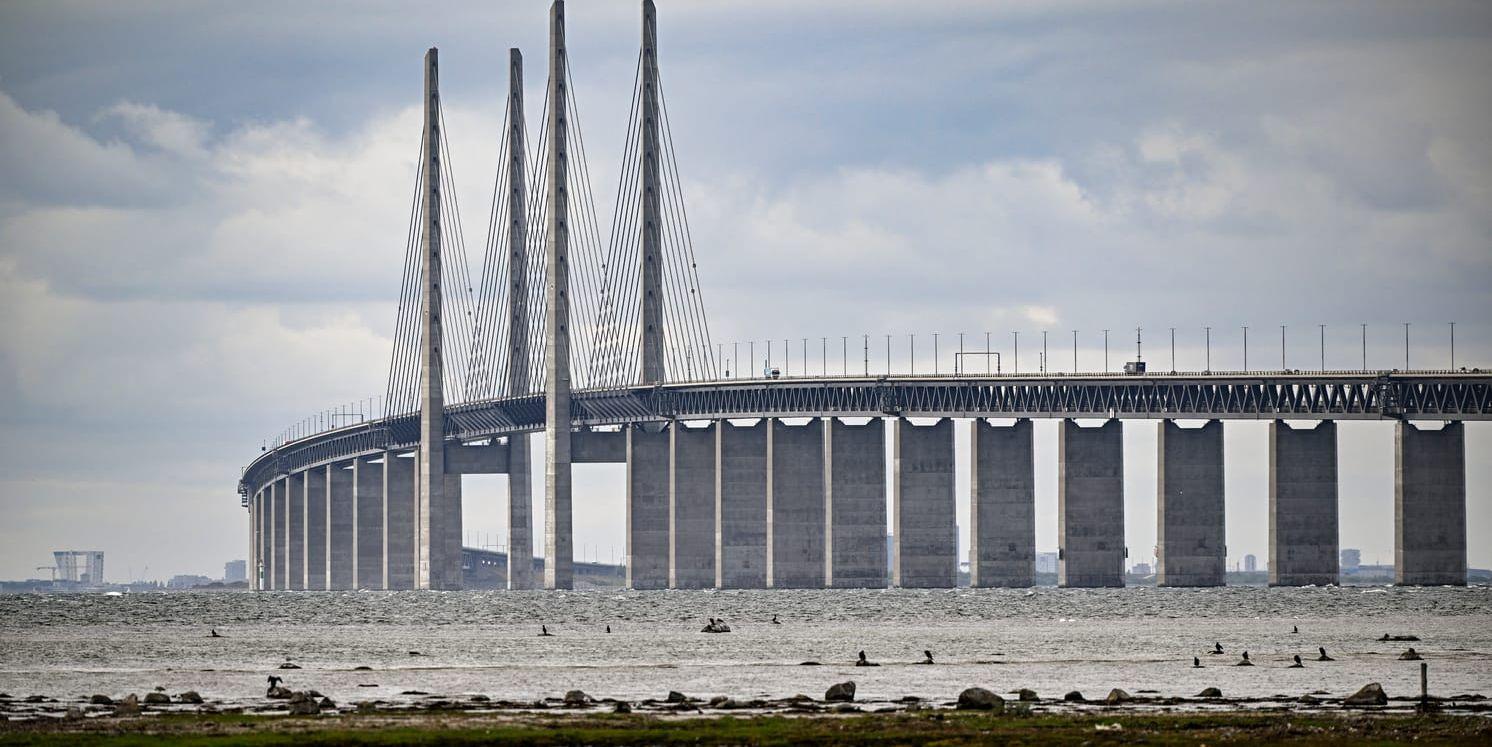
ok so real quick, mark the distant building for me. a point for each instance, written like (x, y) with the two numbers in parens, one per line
(1250, 564)
(235, 570)
(1351, 559)
(187, 581)
(1046, 562)
(1141, 569)
(80, 566)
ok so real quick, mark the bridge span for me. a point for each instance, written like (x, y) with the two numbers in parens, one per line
(773, 482)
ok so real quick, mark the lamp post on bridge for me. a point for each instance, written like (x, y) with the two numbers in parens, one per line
(1283, 367)
(1016, 365)
(1209, 349)
(1406, 346)
(1323, 346)
(1105, 351)
(1245, 348)
(1043, 351)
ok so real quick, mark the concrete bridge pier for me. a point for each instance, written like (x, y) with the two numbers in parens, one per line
(1090, 505)
(261, 540)
(1002, 505)
(855, 504)
(275, 537)
(341, 544)
(1430, 505)
(647, 506)
(923, 515)
(1303, 505)
(1190, 534)
(520, 515)
(368, 534)
(315, 524)
(295, 531)
(795, 505)
(400, 502)
(741, 505)
(691, 507)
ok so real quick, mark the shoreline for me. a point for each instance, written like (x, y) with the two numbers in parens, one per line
(946, 727)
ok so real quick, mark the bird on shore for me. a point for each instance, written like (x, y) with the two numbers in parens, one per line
(1217, 648)
(1244, 662)
(864, 662)
(1323, 656)
(928, 657)
(1196, 663)
(1297, 664)
(544, 632)
(274, 682)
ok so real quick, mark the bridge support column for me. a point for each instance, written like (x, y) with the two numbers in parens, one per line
(520, 515)
(256, 547)
(1190, 533)
(741, 505)
(926, 549)
(295, 561)
(275, 537)
(1090, 505)
(400, 499)
(315, 480)
(341, 544)
(855, 504)
(691, 507)
(795, 505)
(647, 508)
(1002, 505)
(1430, 505)
(367, 487)
(1303, 505)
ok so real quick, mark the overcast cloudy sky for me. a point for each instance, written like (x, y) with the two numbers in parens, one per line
(203, 206)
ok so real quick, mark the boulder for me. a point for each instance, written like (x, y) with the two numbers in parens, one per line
(279, 692)
(621, 707)
(129, 705)
(302, 704)
(190, 697)
(327, 703)
(157, 698)
(288, 665)
(1371, 694)
(101, 700)
(1026, 694)
(576, 697)
(74, 713)
(980, 699)
(674, 696)
(1073, 697)
(1210, 692)
(1117, 696)
(842, 692)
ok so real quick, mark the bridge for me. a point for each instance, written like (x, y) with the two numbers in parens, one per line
(738, 478)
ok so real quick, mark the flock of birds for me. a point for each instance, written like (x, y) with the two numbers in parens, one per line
(1217, 649)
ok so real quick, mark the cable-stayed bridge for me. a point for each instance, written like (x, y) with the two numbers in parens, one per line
(599, 339)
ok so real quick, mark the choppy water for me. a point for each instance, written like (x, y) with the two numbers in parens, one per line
(1051, 640)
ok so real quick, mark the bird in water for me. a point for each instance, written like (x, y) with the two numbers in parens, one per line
(775, 621)
(1410, 655)
(1245, 661)
(1297, 664)
(213, 633)
(1217, 648)
(544, 631)
(1323, 656)
(608, 628)
(928, 657)
(1196, 663)
(1294, 628)
(864, 662)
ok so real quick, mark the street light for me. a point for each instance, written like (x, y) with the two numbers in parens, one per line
(1105, 351)
(1406, 346)
(1283, 367)
(1323, 347)
(1017, 363)
(1209, 349)
(1245, 348)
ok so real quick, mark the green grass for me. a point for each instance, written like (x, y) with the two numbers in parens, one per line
(941, 728)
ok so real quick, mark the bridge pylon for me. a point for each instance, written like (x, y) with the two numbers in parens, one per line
(558, 538)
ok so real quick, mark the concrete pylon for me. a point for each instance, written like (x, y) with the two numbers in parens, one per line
(558, 540)
(1430, 505)
(438, 536)
(520, 497)
(651, 256)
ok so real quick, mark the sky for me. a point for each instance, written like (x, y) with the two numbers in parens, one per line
(203, 209)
